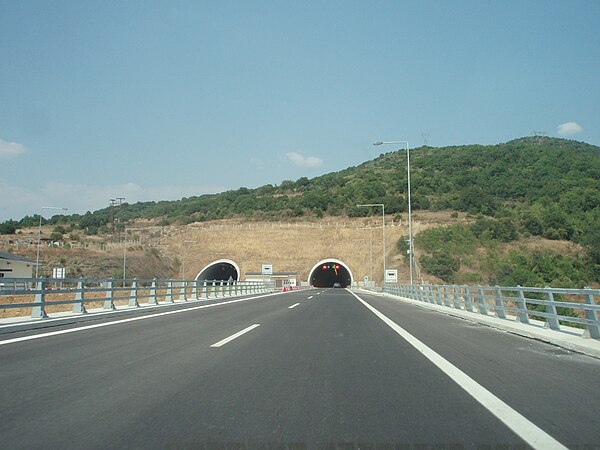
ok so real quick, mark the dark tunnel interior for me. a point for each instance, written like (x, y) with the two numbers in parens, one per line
(329, 273)
(221, 271)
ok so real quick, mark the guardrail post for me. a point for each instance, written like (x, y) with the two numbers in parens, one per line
(194, 291)
(183, 291)
(500, 312)
(592, 330)
(447, 302)
(481, 302)
(456, 297)
(153, 300)
(468, 299)
(438, 296)
(108, 300)
(133, 294)
(522, 306)
(169, 294)
(552, 321)
(39, 311)
(79, 307)
(224, 286)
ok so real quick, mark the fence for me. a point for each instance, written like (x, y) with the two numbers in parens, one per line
(40, 295)
(554, 306)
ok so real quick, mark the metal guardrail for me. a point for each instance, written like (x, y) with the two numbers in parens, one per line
(554, 306)
(49, 292)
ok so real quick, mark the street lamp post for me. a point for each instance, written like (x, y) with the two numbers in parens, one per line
(410, 234)
(37, 259)
(383, 217)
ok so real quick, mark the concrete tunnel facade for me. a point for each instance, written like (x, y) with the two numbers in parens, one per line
(220, 270)
(329, 271)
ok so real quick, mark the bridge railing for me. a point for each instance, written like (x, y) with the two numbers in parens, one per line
(554, 306)
(39, 297)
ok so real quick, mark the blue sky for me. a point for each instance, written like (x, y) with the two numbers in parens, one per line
(152, 100)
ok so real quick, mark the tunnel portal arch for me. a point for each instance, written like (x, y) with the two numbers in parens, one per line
(220, 270)
(329, 271)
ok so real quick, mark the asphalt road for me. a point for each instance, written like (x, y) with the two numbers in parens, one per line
(306, 369)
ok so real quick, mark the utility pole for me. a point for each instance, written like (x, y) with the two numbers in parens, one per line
(539, 135)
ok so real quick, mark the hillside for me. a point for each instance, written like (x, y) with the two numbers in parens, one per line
(529, 189)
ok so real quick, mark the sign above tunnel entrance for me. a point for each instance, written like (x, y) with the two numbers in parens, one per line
(267, 269)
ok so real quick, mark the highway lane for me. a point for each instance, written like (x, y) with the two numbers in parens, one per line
(555, 388)
(327, 371)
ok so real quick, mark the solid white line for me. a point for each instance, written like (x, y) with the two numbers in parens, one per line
(117, 322)
(526, 430)
(236, 335)
(293, 306)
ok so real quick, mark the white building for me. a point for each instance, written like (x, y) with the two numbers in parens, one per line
(13, 266)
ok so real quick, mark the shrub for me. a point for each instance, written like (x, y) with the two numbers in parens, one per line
(441, 265)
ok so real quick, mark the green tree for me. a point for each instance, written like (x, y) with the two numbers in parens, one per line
(441, 265)
(8, 227)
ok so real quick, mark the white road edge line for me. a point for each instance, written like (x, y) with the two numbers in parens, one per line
(132, 319)
(526, 430)
(235, 336)
(293, 306)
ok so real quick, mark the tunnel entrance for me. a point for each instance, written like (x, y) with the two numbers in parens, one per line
(330, 271)
(221, 270)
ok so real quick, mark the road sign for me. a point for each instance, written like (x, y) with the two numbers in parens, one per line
(391, 276)
(267, 269)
